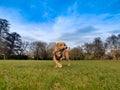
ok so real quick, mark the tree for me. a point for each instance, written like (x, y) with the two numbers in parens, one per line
(118, 42)
(113, 46)
(76, 53)
(88, 48)
(38, 50)
(4, 29)
(23, 48)
(50, 48)
(94, 50)
(111, 42)
(99, 50)
(88, 51)
(13, 42)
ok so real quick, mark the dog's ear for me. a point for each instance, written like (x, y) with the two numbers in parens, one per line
(65, 44)
(56, 45)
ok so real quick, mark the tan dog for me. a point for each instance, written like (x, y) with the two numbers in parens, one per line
(60, 51)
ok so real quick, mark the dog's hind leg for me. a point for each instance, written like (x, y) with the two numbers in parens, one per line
(66, 54)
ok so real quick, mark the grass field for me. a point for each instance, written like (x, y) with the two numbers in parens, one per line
(41, 75)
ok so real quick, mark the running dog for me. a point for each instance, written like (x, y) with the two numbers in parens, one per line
(60, 51)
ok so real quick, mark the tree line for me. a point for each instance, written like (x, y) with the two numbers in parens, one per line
(13, 47)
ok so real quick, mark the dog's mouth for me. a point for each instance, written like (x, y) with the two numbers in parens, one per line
(58, 54)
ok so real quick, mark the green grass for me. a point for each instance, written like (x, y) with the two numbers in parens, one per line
(41, 75)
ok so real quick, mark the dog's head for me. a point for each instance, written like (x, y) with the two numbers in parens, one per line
(60, 45)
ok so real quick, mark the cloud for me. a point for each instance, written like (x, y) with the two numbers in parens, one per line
(73, 29)
(87, 27)
(80, 36)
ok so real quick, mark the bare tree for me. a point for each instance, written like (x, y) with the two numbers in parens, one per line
(23, 48)
(113, 45)
(50, 48)
(76, 53)
(38, 50)
(111, 42)
(88, 51)
(99, 50)
(94, 50)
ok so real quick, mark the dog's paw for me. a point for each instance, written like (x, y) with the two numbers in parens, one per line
(60, 66)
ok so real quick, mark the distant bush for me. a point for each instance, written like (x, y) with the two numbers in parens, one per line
(1, 57)
(18, 57)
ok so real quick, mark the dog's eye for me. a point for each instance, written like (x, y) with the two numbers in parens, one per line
(60, 44)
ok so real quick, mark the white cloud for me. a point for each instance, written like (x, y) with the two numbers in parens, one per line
(71, 29)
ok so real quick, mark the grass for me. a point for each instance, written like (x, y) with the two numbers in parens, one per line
(41, 75)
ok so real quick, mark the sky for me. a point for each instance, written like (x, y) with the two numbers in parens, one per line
(74, 22)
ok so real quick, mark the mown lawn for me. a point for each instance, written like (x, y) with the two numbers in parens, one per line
(41, 75)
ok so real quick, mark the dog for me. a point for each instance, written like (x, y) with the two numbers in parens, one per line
(60, 51)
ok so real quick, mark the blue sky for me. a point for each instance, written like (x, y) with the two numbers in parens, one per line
(72, 21)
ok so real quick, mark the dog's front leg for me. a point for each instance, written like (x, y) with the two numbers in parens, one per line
(57, 63)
